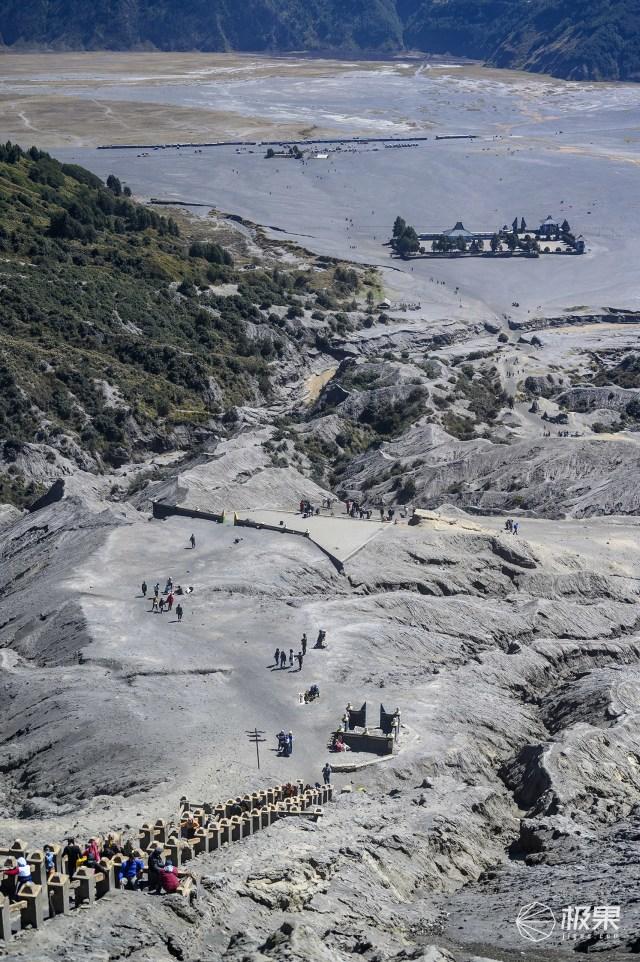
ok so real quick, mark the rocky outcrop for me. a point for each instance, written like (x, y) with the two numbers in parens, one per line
(243, 473)
(545, 385)
(8, 514)
(55, 493)
(610, 398)
(569, 320)
(556, 477)
(516, 553)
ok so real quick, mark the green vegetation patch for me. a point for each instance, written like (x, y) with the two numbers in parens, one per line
(112, 330)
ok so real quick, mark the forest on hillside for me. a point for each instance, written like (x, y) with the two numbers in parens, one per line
(588, 40)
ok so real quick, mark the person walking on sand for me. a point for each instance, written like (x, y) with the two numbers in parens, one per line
(154, 603)
(144, 589)
(161, 605)
(277, 657)
(303, 644)
(156, 589)
(516, 525)
(192, 540)
(290, 657)
(326, 774)
(283, 658)
(300, 657)
(179, 612)
(170, 601)
(290, 743)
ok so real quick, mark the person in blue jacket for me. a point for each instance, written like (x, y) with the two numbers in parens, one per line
(131, 872)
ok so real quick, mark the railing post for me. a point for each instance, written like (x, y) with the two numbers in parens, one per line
(118, 861)
(86, 890)
(107, 883)
(161, 830)
(225, 831)
(215, 837)
(59, 893)
(200, 841)
(39, 876)
(18, 849)
(145, 835)
(175, 848)
(5, 919)
(32, 914)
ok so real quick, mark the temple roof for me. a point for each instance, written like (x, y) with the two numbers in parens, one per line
(458, 230)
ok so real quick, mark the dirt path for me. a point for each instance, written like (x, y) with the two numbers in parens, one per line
(315, 383)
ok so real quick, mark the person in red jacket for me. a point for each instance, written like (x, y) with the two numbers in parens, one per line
(168, 877)
(92, 854)
(9, 879)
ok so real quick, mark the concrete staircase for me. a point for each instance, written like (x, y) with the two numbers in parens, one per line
(59, 894)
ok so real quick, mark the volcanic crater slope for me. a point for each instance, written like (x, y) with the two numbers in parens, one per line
(513, 659)
(514, 662)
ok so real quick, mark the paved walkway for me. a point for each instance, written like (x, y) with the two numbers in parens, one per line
(340, 536)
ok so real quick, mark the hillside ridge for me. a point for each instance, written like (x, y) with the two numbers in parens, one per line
(594, 40)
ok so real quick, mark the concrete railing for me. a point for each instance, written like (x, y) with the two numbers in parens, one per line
(162, 510)
(283, 529)
(59, 894)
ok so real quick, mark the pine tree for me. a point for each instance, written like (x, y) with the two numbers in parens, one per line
(399, 227)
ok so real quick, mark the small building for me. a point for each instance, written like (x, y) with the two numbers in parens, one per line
(459, 230)
(549, 227)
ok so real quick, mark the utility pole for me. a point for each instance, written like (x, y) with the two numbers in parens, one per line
(255, 737)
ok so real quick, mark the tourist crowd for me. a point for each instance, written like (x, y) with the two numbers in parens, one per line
(162, 874)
